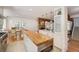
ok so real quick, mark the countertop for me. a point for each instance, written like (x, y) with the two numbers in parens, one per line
(37, 37)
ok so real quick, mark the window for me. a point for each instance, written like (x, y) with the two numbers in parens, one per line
(1, 24)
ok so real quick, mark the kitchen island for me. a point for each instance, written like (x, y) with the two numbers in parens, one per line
(37, 42)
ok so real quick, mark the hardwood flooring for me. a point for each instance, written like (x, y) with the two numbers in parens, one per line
(73, 46)
(17, 46)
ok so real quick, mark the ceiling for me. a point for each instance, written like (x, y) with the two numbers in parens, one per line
(31, 12)
(28, 11)
(73, 11)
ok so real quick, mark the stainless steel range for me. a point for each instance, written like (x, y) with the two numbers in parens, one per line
(3, 36)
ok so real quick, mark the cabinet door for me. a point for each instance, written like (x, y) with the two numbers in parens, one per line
(29, 45)
(41, 24)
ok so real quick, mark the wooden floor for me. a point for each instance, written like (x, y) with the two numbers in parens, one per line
(73, 46)
(17, 46)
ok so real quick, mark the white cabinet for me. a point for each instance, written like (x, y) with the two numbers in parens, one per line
(29, 45)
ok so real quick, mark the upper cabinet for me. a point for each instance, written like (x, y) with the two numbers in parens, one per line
(41, 22)
(46, 24)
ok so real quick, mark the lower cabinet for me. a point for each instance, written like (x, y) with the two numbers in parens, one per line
(3, 46)
(3, 43)
(29, 45)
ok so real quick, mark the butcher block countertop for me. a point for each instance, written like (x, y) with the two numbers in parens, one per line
(37, 37)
